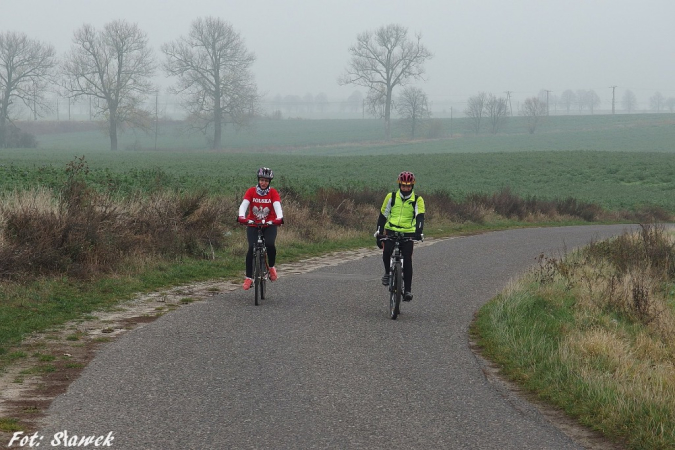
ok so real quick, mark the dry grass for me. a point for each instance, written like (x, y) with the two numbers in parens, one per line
(81, 232)
(608, 353)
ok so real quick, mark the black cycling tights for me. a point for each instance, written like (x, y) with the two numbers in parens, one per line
(406, 251)
(270, 234)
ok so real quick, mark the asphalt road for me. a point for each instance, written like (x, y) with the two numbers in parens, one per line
(320, 365)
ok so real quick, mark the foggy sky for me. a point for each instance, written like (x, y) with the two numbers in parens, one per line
(301, 46)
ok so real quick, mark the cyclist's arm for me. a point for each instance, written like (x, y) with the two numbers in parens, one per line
(243, 208)
(419, 226)
(278, 211)
(384, 213)
(419, 217)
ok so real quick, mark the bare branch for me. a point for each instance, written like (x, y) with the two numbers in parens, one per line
(384, 59)
(212, 66)
(114, 65)
(413, 107)
(534, 110)
(26, 70)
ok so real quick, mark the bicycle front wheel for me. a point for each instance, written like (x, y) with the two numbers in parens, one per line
(263, 274)
(395, 287)
(257, 276)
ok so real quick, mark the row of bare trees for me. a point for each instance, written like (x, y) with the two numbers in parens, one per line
(487, 108)
(589, 100)
(115, 65)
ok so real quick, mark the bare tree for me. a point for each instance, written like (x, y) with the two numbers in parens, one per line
(656, 102)
(567, 99)
(308, 101)
(582, 101)
(412, 105)
(384, 59)
(496, 110)
(321, 101)
(114, 65)
(592, 100)
(26, 68)
(212, 65)
(670, 104)
(629, 101)
(475, 109)
(375, 103)
(534, 111)
(355, 101)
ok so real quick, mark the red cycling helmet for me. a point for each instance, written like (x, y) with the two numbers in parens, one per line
(265, 172)
(406, 178)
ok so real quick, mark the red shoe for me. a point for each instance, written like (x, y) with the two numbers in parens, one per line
(247, 284)
(273, 274)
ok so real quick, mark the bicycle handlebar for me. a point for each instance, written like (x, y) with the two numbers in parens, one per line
(387, 237)
(257, 224)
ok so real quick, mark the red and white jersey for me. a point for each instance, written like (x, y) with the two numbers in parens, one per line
(262, 208)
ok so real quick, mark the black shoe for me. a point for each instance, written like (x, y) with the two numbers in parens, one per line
(407, 296)
(385, 280)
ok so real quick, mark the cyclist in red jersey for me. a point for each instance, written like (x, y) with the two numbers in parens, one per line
(261, 204)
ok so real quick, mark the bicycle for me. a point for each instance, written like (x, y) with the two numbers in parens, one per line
(396, 271)
(261, 269)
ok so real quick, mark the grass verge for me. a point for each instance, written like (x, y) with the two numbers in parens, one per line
(593, 335)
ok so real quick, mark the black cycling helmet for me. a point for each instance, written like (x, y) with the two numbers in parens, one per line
(266, 172)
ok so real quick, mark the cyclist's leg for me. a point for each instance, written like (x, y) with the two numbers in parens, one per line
(388, 248)
(407, 251)
(252, 237)
(270, 234)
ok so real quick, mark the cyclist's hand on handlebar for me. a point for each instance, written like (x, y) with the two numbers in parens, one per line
(242, 219)
(378, 239)
(250, 222)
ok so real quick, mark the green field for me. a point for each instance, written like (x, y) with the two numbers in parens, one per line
(619, 162)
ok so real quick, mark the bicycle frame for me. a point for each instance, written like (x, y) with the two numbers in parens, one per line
(396, 272)
(260, 266)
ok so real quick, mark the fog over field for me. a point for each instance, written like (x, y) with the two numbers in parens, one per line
(301, 46)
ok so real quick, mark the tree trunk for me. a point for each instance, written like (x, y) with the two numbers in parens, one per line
(4, 108)
(112, 128)
(218, 126)
(387, 114)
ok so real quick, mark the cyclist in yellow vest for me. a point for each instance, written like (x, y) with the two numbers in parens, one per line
(401, 211)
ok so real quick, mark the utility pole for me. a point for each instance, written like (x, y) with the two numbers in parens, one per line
(508, 99)
(613, 88)
(547, 92)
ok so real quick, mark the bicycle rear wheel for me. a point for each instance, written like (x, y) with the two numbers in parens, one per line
(257, 275)
(395, 287)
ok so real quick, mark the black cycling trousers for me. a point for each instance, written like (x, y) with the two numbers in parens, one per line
(406, 251)
(270, 234)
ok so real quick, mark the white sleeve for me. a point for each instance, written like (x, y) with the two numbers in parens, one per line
(243, 208)
(277, 210)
